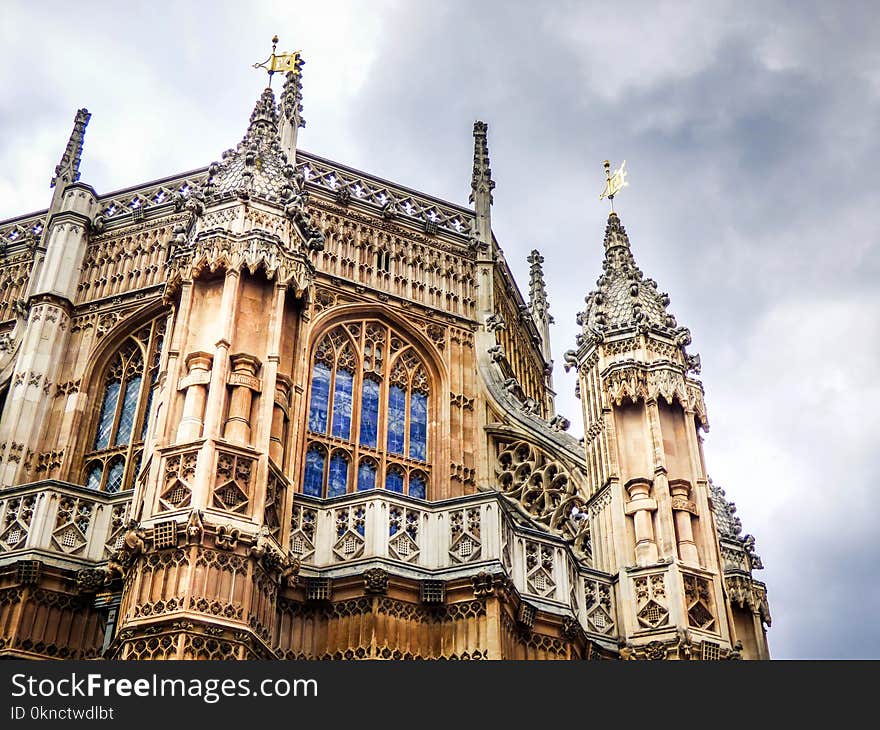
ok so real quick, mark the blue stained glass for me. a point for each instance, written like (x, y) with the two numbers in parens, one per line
(342, 404)
(320, 398)
(313, 484)
(417, 486)
(129, 404)
(93, 480)
(396, 418)
(114, 476)
(338, 475)
(366, 476)
(394, 481)
(108, 411)
(370, 413)
(418, 426)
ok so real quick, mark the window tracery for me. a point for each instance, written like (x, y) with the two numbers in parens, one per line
(369, 410)
(116, 440)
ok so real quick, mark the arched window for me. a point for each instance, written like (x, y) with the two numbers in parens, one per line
(124, 400)
(369, 414)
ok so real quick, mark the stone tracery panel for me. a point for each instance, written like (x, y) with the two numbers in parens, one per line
(543, 488)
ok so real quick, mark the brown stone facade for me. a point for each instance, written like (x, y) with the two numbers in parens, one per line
(279, 408)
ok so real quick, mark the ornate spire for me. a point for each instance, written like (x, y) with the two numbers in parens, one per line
(624, 298)
(291, 96)
(264, 118)
(257, 167)
(291, 109)
(482, 184)
(538, 304)
(67, 171)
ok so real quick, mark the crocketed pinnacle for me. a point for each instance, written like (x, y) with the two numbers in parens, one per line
(481, 179)
(624, 298)
(67, 171)
(258, 166)
(291, 96)
(538, 304)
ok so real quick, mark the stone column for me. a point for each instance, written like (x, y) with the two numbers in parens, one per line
(244, 382)
(640, 507)
(279, 416)
(196, 386)
(682, 509)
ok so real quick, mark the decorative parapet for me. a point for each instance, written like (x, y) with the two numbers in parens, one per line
(61, 523)
(348, 185)
(445, 540)
(170, 194)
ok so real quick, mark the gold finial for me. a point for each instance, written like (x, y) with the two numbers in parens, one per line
(614, 183)
(280, 61)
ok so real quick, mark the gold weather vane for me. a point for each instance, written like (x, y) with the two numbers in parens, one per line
(280, 61)
(614, 183)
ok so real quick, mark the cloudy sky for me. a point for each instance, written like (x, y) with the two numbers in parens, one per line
(751, 135)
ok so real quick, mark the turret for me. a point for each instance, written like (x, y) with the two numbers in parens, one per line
(643, 412)
(216, 485)
(50, 299)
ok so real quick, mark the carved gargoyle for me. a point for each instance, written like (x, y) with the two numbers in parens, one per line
(559, 423)
(512, 386)
(194, 527)
(569, 360)
(495, 322)
(133, 545)
(290, 572)
(497, 353)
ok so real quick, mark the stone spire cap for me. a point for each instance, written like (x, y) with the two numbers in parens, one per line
(67, 171)
(624, 298)
(257, 167)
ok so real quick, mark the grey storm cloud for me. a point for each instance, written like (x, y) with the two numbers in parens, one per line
(751, 134)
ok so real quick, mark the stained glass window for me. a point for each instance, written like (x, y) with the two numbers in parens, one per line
(369, 403)
(342, 404)
(320, 401)
(338, 480)
(93, 480)
(125, 395)
(396, 418)
(417, 485)
(394, 480)
(366, 475)
(313, 484)
(418, 426)
(129, 403)
(369, 413)
(146, 415)
(108, 414)
(114, 477)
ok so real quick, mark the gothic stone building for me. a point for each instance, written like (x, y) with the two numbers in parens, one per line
(280, 408)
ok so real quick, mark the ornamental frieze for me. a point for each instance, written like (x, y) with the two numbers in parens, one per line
(221, 250)
(640, 381)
